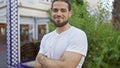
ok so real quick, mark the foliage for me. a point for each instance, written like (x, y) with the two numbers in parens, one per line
(103, 41)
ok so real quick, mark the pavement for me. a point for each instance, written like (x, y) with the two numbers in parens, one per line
(3, 56)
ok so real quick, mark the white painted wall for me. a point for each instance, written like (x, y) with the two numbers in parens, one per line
(35, 4)
(2, 3)
(32, 13)
(2, 15)
(93, 3)
(26, 20)
(46, 0)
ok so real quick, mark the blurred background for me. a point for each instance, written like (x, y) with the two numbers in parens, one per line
(100, 19)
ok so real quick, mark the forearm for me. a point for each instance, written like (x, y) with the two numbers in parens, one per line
(68, 60)
(49, 63)
(37, 64)
(53, 63)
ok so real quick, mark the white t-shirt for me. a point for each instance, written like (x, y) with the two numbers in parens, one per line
(54, 45)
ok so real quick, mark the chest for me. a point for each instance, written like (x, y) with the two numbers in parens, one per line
(56, 46)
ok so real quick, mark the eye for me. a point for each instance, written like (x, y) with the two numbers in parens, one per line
(55, 10)
(63, 10)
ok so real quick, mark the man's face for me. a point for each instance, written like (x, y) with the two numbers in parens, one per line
(60, 13)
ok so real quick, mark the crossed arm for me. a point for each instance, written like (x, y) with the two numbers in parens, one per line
(68, 60)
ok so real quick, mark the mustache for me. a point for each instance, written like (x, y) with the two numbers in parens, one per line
(58, 16)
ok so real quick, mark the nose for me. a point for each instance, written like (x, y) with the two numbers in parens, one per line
(59, 13)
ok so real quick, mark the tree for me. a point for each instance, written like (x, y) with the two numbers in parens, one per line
(116, 14)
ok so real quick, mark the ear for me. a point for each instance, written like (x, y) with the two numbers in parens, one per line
(70, 13)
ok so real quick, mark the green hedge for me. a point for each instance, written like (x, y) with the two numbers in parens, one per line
(104, 43)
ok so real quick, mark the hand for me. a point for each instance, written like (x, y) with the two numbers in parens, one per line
(43, 60)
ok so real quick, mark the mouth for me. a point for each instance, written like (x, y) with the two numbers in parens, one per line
(58, 18)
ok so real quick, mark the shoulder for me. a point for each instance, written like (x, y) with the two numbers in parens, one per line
(77, 41)
(76, 32)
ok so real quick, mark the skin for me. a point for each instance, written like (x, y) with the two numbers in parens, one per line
(60, 15)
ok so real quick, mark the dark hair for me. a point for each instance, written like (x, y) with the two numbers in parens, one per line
(66, 1)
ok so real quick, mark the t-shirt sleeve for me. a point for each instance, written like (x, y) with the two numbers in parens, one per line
(41, 50)
(78, 43)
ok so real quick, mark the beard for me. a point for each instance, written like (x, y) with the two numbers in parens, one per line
(58, 23)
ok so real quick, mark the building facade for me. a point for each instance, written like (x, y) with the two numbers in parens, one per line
(33, 19)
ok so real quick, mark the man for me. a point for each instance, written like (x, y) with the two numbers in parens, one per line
(65, 47)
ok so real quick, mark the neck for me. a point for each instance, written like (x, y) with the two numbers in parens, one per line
(63, 28)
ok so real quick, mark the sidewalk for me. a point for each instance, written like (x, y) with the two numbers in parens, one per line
(3, 56)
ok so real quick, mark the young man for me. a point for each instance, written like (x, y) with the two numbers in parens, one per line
(65, 47)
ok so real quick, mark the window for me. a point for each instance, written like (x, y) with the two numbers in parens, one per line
(3, 34)
(24, 29)
(41, 31)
